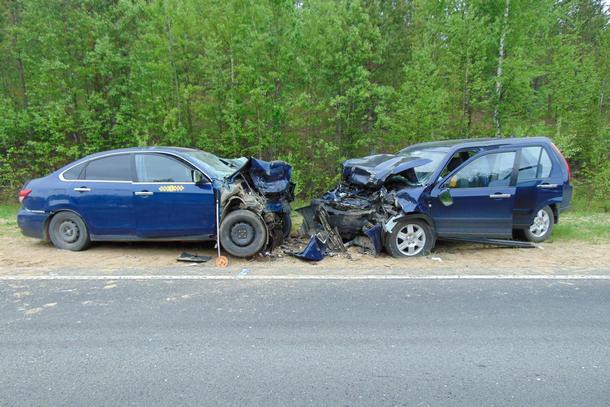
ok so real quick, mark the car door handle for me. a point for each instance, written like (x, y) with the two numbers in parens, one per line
(82, 189)
(547, 186)
(500, 196)
(143, 193)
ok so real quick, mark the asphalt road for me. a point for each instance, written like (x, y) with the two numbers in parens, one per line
(450, 342)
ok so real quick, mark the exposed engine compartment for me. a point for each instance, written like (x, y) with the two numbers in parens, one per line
(373, 190)
(265, 189)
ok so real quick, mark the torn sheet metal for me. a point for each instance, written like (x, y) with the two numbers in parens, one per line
(372, 171)
(270, 177)
(314, 251)
(261, 187)
(374, 233)
(375, 190)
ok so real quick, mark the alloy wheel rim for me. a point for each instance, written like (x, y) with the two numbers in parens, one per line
(541, 223)
(411, 239)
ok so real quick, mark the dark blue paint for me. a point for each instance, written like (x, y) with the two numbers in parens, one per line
(173, 214)
(270, 177)
(372, 171)
(113, 210)
(374, 233)
(473, 212)
(314, 251)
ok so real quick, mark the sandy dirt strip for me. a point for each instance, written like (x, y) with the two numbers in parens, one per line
(18, 253)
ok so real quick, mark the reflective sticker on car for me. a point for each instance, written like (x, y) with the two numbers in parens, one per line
(171, 188)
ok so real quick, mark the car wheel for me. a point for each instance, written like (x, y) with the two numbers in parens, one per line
(242, 233)
(541, 227)
(410, 237)
(67, 231)
(286, 225)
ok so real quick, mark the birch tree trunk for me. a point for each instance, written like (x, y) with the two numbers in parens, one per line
(501, 55)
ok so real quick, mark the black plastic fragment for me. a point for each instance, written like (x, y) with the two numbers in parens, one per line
(193, 258)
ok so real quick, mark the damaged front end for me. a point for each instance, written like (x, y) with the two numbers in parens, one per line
(374, 192)
(263, 189)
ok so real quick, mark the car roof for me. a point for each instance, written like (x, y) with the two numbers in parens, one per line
(477, 142)
(159, 149)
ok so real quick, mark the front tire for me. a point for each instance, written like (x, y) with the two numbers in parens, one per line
(541, 227)
(409, 238)
(68, 231)
(242, 233)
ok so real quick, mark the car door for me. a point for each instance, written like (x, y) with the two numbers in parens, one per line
(539, 183)
(477, 199)
(168, 203)
(101, 192)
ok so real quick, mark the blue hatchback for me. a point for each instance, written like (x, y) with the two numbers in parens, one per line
(160, 193)
(455, 189)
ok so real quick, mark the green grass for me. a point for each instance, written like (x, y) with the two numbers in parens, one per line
(8, 219)
(583, 226)
(8, 210)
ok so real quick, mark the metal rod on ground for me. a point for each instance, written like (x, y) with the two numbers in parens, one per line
(221, 261)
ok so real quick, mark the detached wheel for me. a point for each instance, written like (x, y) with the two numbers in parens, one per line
(410, 237)
(541, 227)
(67, 231)
(243, 233)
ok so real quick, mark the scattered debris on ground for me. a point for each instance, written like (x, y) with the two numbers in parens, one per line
(193, 258)
(457, 256)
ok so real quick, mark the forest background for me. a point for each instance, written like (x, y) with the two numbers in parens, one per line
(312, 82)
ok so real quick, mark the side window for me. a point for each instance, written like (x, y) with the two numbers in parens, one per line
(111, 168)
(534, 163)
(159, 168)
(546, 165)
(528, 165)
(75, 173)
(456, 160)
(490, 170)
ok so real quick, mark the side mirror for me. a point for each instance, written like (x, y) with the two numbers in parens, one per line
(445, 197)
(197, 177)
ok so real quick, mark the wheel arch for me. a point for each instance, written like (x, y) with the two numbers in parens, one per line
(233, 204)
(411, 215)
(45, 230)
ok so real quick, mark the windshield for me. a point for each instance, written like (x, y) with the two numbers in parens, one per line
(435, 155)
(220, 166)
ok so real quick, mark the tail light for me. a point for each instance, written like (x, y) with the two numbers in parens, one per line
(24, 194)
(564, 160)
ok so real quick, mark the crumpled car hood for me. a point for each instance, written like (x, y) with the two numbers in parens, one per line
(268, 177)
(374, 170)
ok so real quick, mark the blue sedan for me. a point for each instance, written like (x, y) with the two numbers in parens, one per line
(160, 194)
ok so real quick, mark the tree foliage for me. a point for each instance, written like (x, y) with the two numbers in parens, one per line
(310, 81)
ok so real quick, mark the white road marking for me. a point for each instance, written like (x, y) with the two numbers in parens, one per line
(307, 277)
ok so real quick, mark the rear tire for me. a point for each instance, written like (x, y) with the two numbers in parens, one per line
(541, 227)
(68, 231)
(242, 233)
(409, 238)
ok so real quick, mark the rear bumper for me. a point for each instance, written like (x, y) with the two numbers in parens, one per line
(32, 224)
